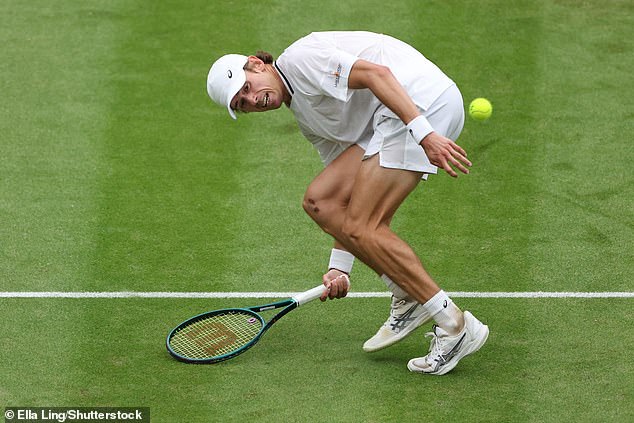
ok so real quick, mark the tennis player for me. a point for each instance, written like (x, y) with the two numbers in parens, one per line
(382, 117)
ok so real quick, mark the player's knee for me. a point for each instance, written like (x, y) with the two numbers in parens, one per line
(311, 206)
(319, 211)
(318, 205)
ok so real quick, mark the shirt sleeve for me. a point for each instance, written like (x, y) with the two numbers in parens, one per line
(334, 80)
(320, 68)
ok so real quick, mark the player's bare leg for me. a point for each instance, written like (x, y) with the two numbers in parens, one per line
(360, 220)
(356, 211)
(326, 201)
(327, 197)
(376, 195)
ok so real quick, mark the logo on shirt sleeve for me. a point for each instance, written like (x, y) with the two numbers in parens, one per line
(337, 75)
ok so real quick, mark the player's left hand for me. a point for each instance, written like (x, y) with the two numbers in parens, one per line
(445, 153)
(338, 284)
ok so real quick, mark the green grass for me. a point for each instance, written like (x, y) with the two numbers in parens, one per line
(537, 366)
(117, 173)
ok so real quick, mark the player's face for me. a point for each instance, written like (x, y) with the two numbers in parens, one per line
(261, 92)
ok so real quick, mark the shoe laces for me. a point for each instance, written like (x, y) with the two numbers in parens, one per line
(436, 346)
(395, 312)
(397, 305)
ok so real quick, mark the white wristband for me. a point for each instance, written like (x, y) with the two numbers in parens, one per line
(341, 260)
(419, 128)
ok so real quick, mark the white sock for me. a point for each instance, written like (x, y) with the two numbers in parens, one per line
(396, 290)
(445, 313)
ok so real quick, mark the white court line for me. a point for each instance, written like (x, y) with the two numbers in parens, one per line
(222, 295)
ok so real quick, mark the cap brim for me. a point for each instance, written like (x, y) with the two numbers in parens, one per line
(231, 112)
(236, 87)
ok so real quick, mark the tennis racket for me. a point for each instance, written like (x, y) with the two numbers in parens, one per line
(223, 334)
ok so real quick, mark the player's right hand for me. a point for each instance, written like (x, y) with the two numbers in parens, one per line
(338, 284)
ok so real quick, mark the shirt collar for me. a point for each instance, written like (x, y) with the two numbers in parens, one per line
(287, 83)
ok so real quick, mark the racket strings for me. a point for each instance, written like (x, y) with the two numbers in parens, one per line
(216, 335)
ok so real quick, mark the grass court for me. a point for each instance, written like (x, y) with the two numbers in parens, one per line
(118, 174)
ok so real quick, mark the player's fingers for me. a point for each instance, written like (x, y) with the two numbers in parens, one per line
(332, 288)
(345, 285)
(326, 293)
(342, 289)
(459, 165)
(336, 290)
(339, 287)
(461, 157)
(343, 292)
(445, 165)
(458, 148)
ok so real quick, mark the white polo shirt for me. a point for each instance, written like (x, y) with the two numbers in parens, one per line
(315, 70)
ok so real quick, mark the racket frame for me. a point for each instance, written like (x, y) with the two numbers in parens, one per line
(289, 304)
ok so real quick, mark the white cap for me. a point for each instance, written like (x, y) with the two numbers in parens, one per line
(226, 77)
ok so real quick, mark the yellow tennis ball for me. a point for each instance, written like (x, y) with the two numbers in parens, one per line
(480, 109)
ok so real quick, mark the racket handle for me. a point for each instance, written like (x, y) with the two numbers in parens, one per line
(312, 294)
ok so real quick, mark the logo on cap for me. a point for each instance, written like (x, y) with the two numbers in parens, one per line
(229, 74)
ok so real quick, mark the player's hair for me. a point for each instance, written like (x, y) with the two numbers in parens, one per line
(264, 56)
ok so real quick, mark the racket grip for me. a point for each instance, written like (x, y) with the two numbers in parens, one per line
(310, 295)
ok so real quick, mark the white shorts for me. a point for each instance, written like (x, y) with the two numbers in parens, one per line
(396, 147)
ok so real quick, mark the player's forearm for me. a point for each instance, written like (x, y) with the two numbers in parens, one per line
(339, 246)
(385, 86)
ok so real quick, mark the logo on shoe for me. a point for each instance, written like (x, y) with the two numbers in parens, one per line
(400, 322)
(445, 358)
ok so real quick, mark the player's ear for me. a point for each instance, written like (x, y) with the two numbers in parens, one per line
(254, 64)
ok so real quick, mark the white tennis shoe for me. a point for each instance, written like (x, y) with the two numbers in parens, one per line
(405, 315)
(445, 351)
